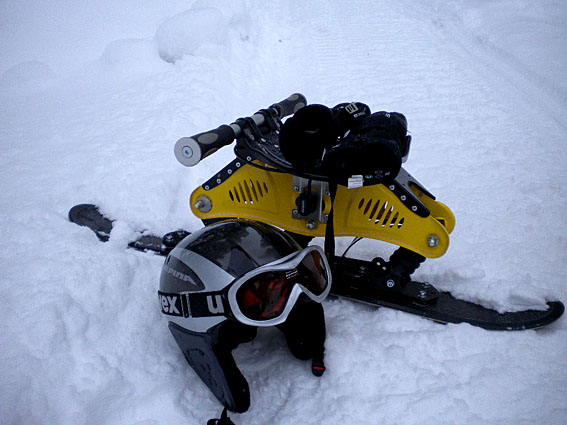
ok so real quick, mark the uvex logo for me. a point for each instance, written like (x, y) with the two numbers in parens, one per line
(170, 304)
(214, 304)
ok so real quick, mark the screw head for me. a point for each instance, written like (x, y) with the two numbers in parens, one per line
(203, 204)
(311, 224)
(432, 241)
(187, 152)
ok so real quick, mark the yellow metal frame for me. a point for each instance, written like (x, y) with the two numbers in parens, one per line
(370, 211)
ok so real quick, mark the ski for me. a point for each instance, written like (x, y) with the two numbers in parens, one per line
(374, 282)
(89, 215)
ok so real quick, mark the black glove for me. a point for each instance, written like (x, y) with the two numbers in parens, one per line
(373, 148)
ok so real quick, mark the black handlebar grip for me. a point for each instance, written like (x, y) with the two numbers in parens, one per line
(290, 105)
(190, 150)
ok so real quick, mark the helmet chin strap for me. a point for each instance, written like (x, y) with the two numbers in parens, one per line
(223, 420)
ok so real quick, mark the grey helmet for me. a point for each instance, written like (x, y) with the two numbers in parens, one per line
(222, 282)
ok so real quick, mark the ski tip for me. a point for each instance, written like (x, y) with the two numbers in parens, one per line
(77, 211)
(88, 215)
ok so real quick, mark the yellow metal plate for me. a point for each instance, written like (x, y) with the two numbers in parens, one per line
(370, 211)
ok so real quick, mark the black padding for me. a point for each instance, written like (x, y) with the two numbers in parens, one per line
(305, 330)
(304, 136)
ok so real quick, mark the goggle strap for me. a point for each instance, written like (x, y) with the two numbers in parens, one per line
(200, 304)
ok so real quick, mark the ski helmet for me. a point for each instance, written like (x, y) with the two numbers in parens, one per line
(222, 282)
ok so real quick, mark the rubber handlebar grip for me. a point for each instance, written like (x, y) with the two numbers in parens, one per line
(290, 105)
(190, 150)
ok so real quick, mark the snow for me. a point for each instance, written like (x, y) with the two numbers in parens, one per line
(191, 31)
(93, 97)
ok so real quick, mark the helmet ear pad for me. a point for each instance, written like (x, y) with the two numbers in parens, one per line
(304, 329)
(213, 361)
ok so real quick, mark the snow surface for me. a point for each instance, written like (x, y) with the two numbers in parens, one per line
(95, 94)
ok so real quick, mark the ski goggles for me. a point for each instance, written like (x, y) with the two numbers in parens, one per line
(262, 297)
(265, 296)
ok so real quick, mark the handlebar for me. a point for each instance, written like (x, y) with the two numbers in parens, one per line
(189, 151)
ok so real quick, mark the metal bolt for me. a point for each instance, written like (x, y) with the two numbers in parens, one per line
(311, 224)
(296, 188)
(203, 204)
(390, 283)
(187, 152)
(422, 294)
(432, 241)
(295, 213)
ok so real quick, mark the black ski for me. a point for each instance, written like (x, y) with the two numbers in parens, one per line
(370, 282)
(88, 215)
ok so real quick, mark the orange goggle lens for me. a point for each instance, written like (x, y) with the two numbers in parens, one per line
(265, 295)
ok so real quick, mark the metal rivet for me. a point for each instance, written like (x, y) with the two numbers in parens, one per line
(203, 204)
(403, 197)
(229, 171)
(248, 158)
(238, 164)
(311, 224)
(391, 187)
(414, 208)
(390, 283)
(432, 241)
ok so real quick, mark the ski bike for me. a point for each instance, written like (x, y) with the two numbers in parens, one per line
(261, 184)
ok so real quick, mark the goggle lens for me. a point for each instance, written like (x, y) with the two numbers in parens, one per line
(265, 295)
